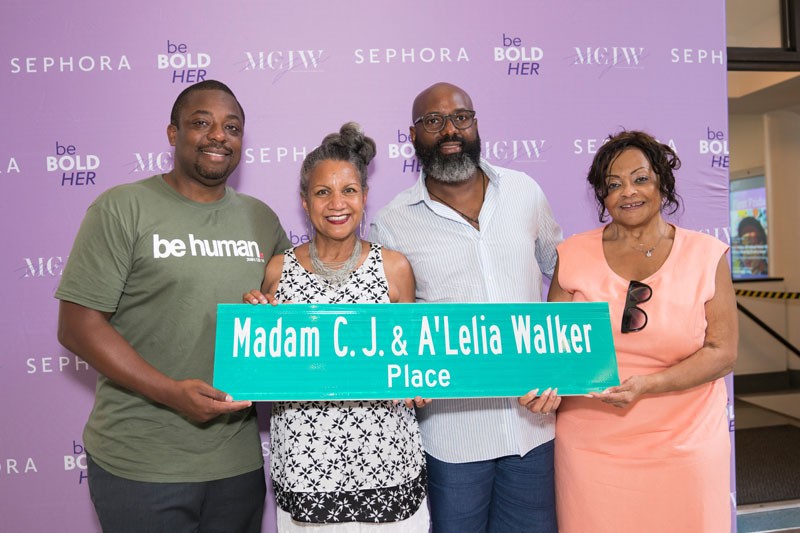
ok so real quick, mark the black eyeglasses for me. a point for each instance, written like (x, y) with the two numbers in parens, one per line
(633, 317)
(435, 122)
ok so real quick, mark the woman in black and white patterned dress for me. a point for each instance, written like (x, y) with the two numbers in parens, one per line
(343, 465)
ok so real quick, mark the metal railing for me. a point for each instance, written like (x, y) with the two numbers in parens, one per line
(771, 295)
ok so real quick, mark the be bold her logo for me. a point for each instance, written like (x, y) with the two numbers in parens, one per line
(186, 67)
(75, 169)
(521, 60)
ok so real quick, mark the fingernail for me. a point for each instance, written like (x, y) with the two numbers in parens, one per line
(228, 398)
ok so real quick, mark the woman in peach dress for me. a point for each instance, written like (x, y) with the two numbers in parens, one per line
(652, 454)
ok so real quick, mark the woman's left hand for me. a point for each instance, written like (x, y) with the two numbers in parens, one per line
(545, 404)
(256, 297)
(624, 394)
(417, 401)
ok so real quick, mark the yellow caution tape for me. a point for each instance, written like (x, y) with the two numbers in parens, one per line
(779, 295)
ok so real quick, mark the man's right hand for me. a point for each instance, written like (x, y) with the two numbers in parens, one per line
(88, 334)
(200, 402)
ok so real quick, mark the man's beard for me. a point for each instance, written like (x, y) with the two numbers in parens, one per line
(451, 168)
(211, 175)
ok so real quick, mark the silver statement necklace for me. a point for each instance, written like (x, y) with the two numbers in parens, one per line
(334, 273)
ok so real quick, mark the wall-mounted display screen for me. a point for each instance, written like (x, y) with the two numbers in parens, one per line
(749, 250)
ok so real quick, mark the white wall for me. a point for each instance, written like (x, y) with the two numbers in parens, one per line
(782, 135)
(771, 141)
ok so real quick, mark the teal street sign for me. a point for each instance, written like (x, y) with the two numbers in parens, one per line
(394, 351)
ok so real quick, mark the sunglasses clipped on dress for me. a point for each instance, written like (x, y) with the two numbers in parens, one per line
(633, 317)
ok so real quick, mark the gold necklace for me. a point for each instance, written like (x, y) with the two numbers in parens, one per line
(465, 216)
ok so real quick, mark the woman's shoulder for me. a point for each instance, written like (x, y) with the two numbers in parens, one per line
(577, 254)
(280, 257)
(280, 262)
(582, 239)
(399, 274)
(394, 262)
(390, 257)
(699, 239)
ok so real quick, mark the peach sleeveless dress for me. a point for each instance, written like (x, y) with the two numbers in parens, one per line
(663, 463)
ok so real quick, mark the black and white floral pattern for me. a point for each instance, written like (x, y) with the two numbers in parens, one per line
(346, 461)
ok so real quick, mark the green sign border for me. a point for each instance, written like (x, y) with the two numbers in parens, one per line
(393, 351)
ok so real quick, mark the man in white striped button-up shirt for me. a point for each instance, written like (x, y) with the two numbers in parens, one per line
(476, 233)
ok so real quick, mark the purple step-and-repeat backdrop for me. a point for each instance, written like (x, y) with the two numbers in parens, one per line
(88, 88)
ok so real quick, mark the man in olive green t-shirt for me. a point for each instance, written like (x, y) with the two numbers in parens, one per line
(166, 450)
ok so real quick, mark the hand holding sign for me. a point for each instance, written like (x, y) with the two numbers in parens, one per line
(545, 404)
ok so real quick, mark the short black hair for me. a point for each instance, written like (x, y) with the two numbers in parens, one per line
(207, 85)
